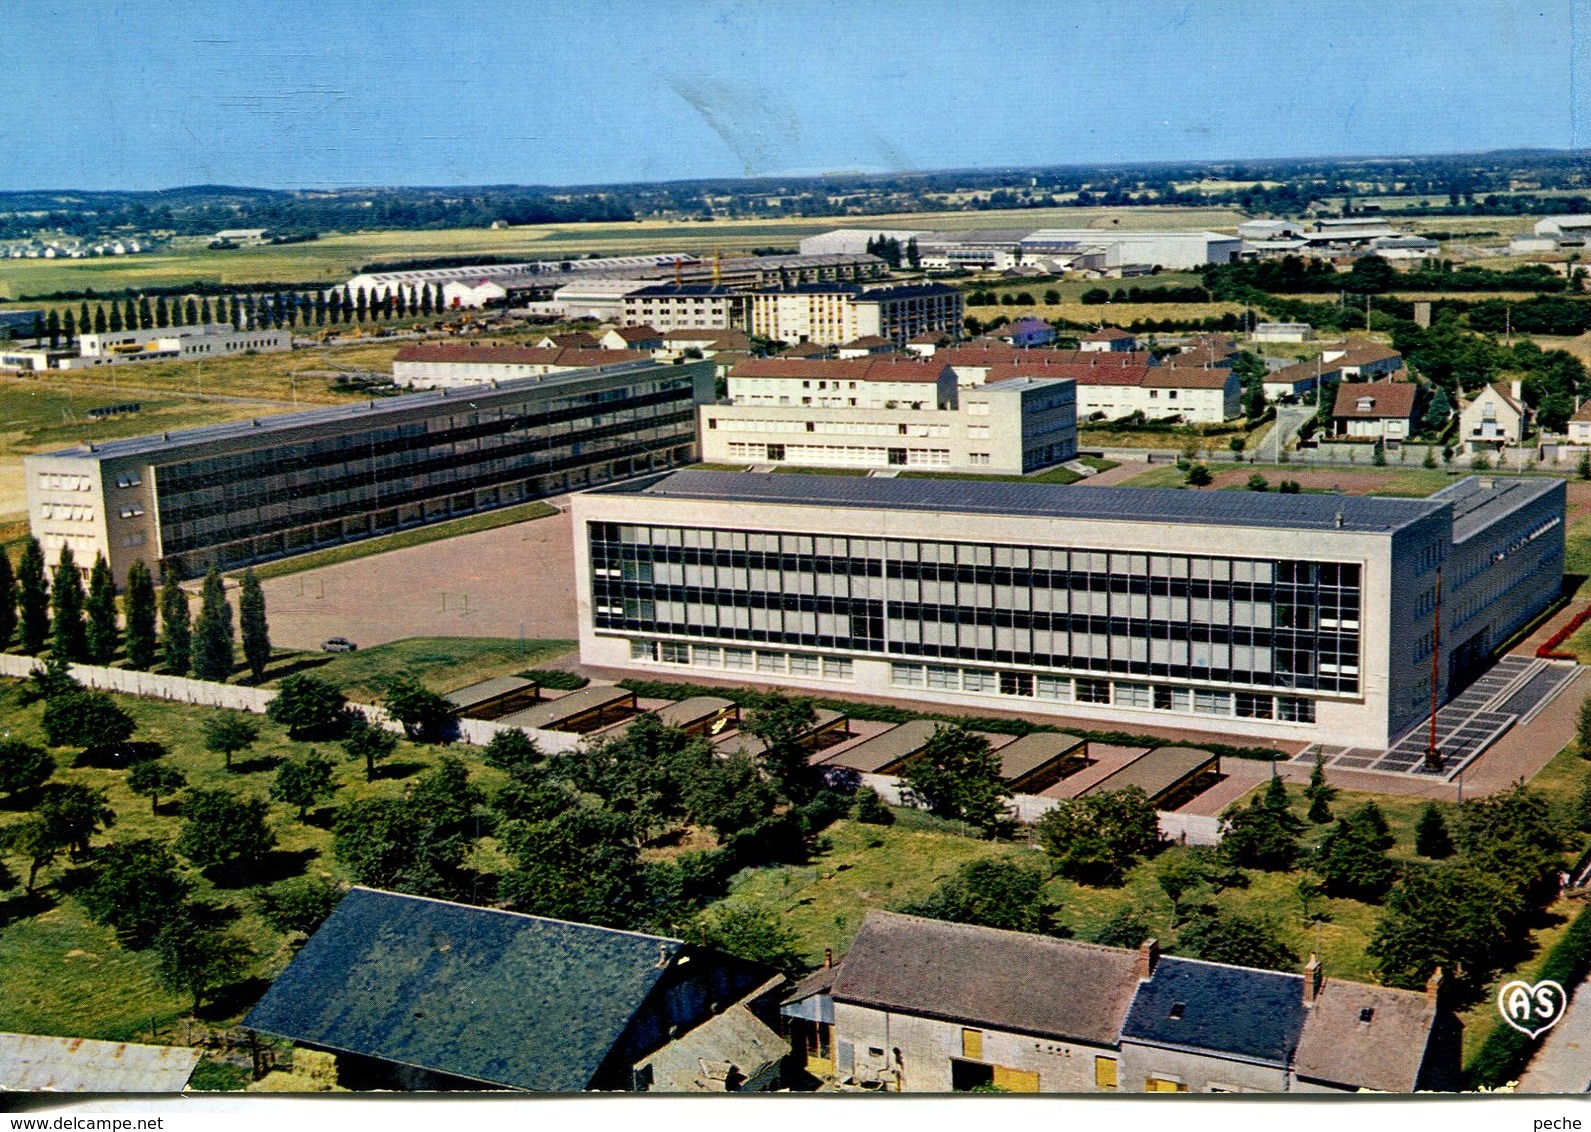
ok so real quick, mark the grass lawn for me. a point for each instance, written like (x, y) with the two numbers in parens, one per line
(1169, 475)
(440, 663)
(416, 536)
(65, 975)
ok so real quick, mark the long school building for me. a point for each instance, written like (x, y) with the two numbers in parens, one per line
(1308, 617)
(250, 491)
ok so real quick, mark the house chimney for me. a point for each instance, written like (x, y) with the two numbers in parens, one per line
(1312, 980)
(1148, 956)
(1517, 388)
(1433, 988)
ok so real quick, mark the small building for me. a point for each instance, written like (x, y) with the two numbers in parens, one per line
(1359, 360)
(33, 1063)
(436, 366)
(700, 715)
(1580, 425)
(176, 342)
(643, 338)
(1495, 417)
(1108, 340)
(1027, 332)
(865, 347)
(418, 994)
(1283, 332)
(586, 710)
(1168, 775)
(1378, 410)
(494, 698)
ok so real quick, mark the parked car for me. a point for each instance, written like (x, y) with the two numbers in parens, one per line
(338, 644)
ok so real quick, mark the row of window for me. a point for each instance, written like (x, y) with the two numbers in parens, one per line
(842, 454)
(836, 428)
(1089, 690)
(812, 665)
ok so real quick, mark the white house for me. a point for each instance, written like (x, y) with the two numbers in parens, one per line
(1497, 416)
(1379, 410)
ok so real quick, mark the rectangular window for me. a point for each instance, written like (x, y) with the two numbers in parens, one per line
(1212, 703)
(1295, 709)
(738, 659)
(1093, 691)
(1251, 706)
(977, 680)
(1134, 695)
(1016, 684)
(670, 652)
(643, 650)
(707, 656)
(943, 678)
(804, 664)
(972, 1044)
(906, 675)
(1053, 688)
(771, 662)
(837, 668)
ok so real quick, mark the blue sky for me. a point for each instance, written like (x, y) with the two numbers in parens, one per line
(140, 94)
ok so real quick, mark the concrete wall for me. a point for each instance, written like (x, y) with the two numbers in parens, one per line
(1200, 1072)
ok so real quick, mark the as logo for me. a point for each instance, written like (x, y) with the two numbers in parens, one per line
(1532, 1010)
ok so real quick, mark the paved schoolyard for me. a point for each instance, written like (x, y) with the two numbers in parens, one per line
(498, 583)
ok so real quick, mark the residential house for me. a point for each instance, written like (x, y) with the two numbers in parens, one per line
(1108, 340)
(1282, 332)
(1026, 333)
(631, 338)
(1376, 411)
(1495, 417)
(1580, 425)
(413, 993)
(1358, 360)
(865, 347)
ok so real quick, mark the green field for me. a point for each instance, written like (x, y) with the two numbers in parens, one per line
(440, 663)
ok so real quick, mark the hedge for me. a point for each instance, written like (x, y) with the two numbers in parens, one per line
(1505, 1052)
(885, 713)
(555, 678)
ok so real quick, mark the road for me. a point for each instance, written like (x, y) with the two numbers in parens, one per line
(1563, 1060)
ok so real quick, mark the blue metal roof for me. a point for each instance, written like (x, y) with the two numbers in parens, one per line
(1240, 1011)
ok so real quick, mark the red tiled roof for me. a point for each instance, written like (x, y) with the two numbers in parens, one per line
(1109, 334)
(1389, 400)
(637, 333)
(517, 355)
(1001, 354)
(1090, 369)
(848, 369)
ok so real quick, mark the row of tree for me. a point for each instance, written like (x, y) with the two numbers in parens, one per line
(40, 607)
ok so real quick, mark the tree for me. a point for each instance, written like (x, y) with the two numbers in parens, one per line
(36, 841)
(1451, 915)
(213, 632)
(251, 620)
(731, 794)
(1436, 415)
(1231, 937)
(220, 828)
(8, 602)
(749, 932)
(1094, 839)
(1127, 928)
(370, 742)
(67, 633)
(582, 864)
(958, 776)
(23, 767)
(75, 813)
(1259, 835)
(869, 809)
(1180, 875)
(992, 892)
(1352, 860)
(303, 781)
(102, 634)
(444, 797)
(33, 598)
(1320, 793)
(1257, 482)
(228, 732)
(385, 843)
(308, 707)
(1198, 476)
(1582, 731)
(782, 722)
(135, 888)
(85, 719)
(1431, 838)
(195, 953)
(299, 904)
(1430, 458)
(423, 713)
(139, 604)
(153, 779)
(176, 634)
(515, 752)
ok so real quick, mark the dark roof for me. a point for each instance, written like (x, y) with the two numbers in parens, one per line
(1120, 504)
(884, 750)
(472, 695)
(1021, 757)
(898, 368)
(1014, 981)
(1157, 772)
(1240, 1011)
(688, 290)
(553, 712)
(1383, 1051)
(491, 996)
(1387, 400)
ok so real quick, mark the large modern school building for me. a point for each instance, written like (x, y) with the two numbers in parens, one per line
(255, 490)
(1252, 614)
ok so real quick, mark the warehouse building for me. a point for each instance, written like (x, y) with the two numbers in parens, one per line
(835, 313)
(1305, 617)
(213, 340)
(250, 491)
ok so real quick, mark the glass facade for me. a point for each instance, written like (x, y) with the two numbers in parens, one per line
(451, 456)
(1276, 624)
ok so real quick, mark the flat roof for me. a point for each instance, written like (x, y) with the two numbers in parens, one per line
(336, 414)
(1156, 772)
(566, 707)
(496, 688)
(1033, 752)
(694, 710)
(1477, 506)
(884, 750)
(1359, 514)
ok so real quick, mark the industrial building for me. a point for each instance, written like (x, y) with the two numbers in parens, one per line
(1305, 617)
(685, 306)
(213, 340)
(271, 487)
(835, 313)
(880, 412)
(1001, 249)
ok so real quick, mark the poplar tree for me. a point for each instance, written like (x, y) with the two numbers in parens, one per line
(251, 621)
(213, 631)
(176, 634)
(69, 327)
(84, 322)
(146, 319)
(115, 323)
(33, 597)
(205, 315)
(102, 637)
(190, 311)
(362, 305)
(52, 327)
(66, 608)
(162, 313)
(8, 602)
(140, 603)
(100, 325)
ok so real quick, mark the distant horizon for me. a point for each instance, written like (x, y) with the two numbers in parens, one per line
(323, 97)
(835, 174)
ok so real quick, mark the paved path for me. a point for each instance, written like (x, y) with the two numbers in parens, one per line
(494, 583)
(1563, 1060)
